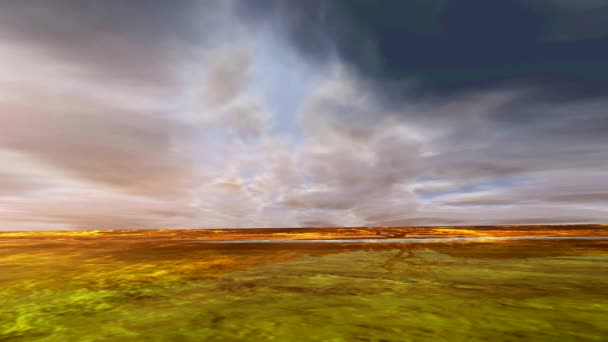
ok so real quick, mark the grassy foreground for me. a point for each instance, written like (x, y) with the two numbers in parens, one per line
(137, 289)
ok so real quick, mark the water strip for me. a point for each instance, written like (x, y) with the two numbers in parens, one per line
(417, 240)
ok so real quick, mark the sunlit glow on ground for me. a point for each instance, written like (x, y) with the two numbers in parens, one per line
(370, 284)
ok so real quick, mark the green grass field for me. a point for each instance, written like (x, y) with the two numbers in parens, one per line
(176, 291)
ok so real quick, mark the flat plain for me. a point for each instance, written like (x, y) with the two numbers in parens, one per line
(504, 283)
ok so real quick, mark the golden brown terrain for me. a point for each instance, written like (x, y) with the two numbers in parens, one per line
(326, 284)
(315, 233)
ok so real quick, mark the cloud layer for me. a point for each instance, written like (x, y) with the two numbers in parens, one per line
(138, 114)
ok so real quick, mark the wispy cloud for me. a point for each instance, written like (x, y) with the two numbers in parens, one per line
(139, 115)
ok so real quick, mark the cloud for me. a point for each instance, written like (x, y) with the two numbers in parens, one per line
(227, 75)
(145, 115)
(574, 20)
(546, 187)
(127, 41)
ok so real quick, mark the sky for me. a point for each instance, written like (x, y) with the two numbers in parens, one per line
(122, 114)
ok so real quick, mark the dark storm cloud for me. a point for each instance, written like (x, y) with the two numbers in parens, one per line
(453, 46)
(574, 20)
(509, 88)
